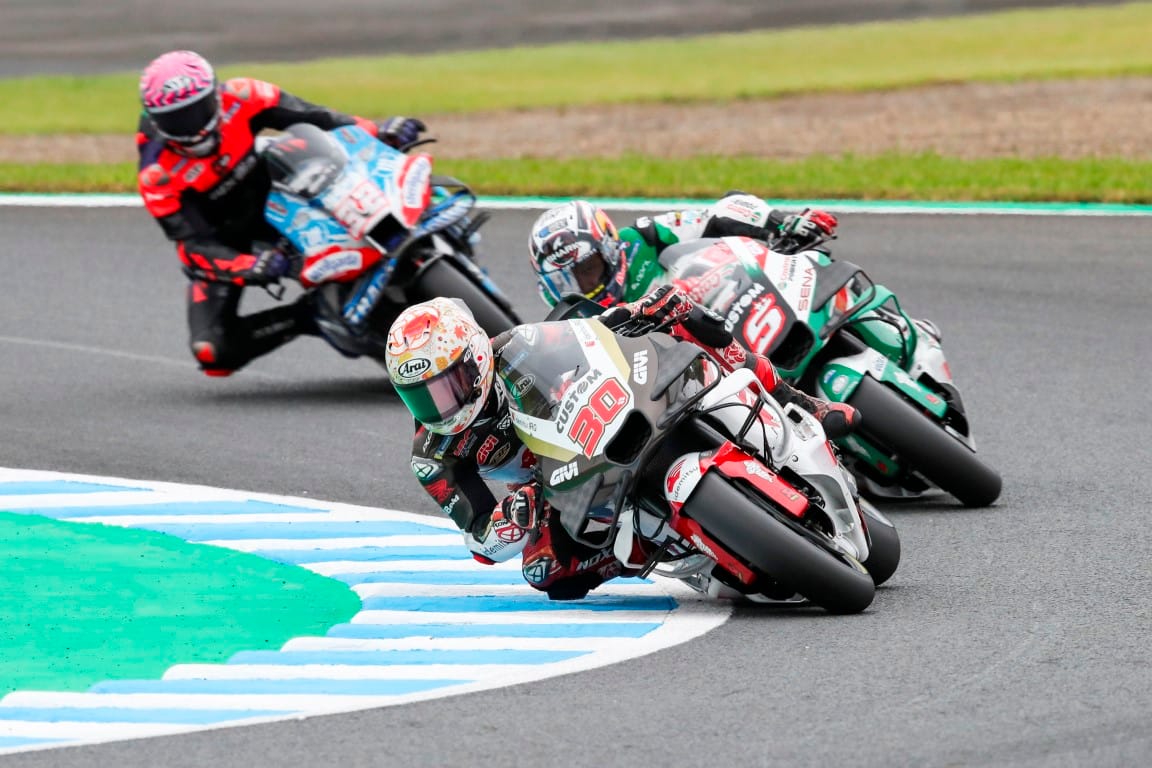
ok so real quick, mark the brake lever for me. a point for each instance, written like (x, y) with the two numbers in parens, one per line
(275, 290)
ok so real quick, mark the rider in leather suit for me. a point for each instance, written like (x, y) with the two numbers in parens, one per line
(202, 181)
(442, 365)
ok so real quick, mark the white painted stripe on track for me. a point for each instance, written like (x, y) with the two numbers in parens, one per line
(353, 567)
(400, 541)
(398, 589)
(65, 500)
(87, 733)
(559, 616)
(171, 362)
(349, 671)
(260, 517)
(265, 701)
(451, 643)
(465, 631)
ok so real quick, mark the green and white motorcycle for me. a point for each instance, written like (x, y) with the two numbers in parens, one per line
(836, 334)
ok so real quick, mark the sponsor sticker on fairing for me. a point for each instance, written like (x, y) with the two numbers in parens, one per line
(682, 478)
(414, 187)
(564, 474)
(640, 366)
(753, 468)
(333, 265)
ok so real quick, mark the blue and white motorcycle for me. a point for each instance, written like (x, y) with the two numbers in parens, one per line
(373, 230)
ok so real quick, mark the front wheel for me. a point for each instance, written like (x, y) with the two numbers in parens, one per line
(442, 278)
(891, 422)
(883, 545)
(783, 549)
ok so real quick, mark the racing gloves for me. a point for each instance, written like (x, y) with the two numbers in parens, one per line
(808, 226)
(522, 506)
(399, 132)
(269, 267)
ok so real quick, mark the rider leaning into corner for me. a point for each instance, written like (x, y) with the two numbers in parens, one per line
(442, 365)
(575, 247)
(201, 179)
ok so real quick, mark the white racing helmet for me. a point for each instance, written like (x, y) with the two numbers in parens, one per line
(440, 362)
(575, 249)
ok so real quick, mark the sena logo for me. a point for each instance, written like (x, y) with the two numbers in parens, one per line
(410, 368)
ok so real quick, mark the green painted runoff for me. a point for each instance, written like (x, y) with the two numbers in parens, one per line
(85, 602)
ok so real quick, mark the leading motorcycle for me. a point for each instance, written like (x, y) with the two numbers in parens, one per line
(373, 230)
(644, 445)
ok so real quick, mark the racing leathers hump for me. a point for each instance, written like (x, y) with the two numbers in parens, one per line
(212, 207)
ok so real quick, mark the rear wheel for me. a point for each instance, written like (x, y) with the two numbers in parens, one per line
(894, 424)
(780, 547)
(441, 278)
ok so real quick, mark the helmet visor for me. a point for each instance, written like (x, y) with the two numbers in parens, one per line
(438, 399)
(591, 274)
(190, 122)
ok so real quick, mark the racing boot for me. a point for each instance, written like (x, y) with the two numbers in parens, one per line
(837, 419)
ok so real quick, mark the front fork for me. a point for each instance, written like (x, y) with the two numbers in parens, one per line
(741, 467)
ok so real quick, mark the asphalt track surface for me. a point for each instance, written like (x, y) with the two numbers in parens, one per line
(1015, 635)
(83, 36)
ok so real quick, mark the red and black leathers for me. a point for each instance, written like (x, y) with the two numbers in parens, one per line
(212, 208)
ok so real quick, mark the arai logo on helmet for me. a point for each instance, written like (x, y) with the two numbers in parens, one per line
(412, 368)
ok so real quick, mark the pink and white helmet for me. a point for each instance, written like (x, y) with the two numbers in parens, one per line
(440, 362)
(179, 94)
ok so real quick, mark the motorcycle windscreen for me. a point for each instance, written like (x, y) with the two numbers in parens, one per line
(538, 363)
(304, 161)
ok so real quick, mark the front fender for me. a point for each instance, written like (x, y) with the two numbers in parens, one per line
(840, 376)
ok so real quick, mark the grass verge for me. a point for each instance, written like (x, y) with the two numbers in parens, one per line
(1098, 41)
(887, 177)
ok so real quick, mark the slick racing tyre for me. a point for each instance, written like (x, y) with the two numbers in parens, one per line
(774, 543)
(883, 545)
(892, 423)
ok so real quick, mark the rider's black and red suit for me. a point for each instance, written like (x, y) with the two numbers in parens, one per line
(212, 207)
